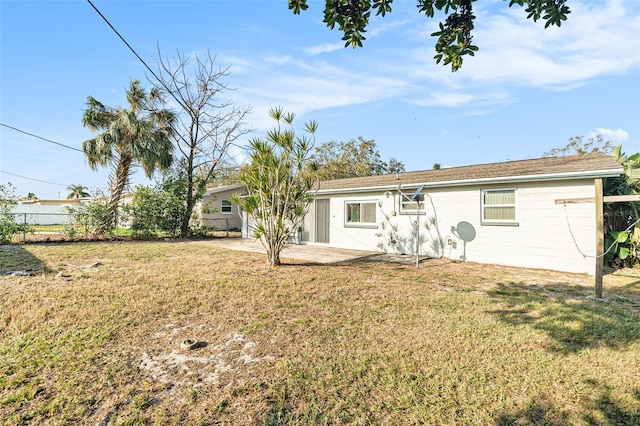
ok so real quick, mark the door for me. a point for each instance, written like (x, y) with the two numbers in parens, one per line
(322, 221)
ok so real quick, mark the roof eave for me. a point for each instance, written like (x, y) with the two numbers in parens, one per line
(219, 189)
(593, 174)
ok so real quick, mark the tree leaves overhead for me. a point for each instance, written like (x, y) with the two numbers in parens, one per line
(337, 160)
(454, 36)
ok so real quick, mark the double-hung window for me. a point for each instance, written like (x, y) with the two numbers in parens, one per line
(225, 207)
(499, 207)
(416, 206)
(360, 213)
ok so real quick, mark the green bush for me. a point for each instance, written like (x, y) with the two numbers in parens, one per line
(89, 218)
(155, 211)
(624, 248)
(8, 224)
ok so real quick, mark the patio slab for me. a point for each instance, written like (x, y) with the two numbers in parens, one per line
(308, 252)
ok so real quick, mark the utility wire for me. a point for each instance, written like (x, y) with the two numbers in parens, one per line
(584, 255)
(182, 104)
(44, 181)
(138, 56)
(40, 137)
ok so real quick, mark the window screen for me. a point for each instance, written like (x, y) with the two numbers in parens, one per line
(359, 212)
(499, 205)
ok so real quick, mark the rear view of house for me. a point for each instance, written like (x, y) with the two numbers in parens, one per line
(217, 211)
(501, 213)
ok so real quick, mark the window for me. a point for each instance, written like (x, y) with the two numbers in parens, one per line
(226, 207)
(408, 206)
(499, 206)
(360, 213)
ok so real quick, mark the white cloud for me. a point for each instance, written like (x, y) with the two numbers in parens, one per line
(446, 99)
(614, 135)
(376, 27)
(324, 48)
(302, 86)
(598, 39)
(460, 98)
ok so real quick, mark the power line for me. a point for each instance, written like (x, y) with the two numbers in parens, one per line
(28, 178)
(182, 104)
(138, 56)
(40, 137)
(42, 181)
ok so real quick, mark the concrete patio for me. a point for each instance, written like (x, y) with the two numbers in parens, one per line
(308, 252)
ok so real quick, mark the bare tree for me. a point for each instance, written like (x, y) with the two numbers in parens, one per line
(207, 125)
(578, 146)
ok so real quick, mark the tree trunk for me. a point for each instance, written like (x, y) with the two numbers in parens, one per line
(184, 227)
(274, 258)
(116, 188)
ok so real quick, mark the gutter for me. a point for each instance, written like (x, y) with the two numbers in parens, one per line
(466, 182)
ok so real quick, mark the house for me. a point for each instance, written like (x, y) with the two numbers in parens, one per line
(216, 210)
(501, 213)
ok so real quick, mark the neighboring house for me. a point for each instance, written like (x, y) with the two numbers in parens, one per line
(45, 212)
(502, 213)
(216, 210)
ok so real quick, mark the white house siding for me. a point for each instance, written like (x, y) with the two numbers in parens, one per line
(351, 236)
(48, 213)
(541, 240)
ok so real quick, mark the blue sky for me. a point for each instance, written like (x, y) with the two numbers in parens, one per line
(527, 90)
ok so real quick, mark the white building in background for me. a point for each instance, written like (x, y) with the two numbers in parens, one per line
(46, 212)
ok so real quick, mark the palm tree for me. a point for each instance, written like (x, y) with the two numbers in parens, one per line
(139, 135)
(77, 191)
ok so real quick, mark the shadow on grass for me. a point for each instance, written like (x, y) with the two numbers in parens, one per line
(572, 321)
(633, 285)
(601, 410)
(17, 260)
(535, 414)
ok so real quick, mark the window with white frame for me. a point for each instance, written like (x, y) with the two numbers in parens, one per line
(499, 206)
(225, 207)
(409, 206)
(360, 213)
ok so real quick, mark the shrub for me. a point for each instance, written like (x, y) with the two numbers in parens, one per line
(90, 218)
(8, 224)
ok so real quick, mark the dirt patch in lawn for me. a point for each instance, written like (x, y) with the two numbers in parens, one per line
(199, 360)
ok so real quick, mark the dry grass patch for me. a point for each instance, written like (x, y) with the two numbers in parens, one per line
(93, 336)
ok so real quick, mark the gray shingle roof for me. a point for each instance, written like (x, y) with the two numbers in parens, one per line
(593, 165)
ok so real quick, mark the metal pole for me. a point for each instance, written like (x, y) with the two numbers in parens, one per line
(417, 231)
(24, 228)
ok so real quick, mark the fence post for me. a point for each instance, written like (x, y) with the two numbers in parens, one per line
(24, 228)
(599, 238)
(226, 219)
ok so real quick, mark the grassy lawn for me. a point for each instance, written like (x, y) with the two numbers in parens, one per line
(92, 333)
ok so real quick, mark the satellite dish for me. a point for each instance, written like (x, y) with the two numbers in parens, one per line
(466, 231)
(417, 193)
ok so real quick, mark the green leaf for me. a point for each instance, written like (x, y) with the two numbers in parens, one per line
(620, 237)
(623, 253)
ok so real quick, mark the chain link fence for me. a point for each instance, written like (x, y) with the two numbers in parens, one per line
(71, 226)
